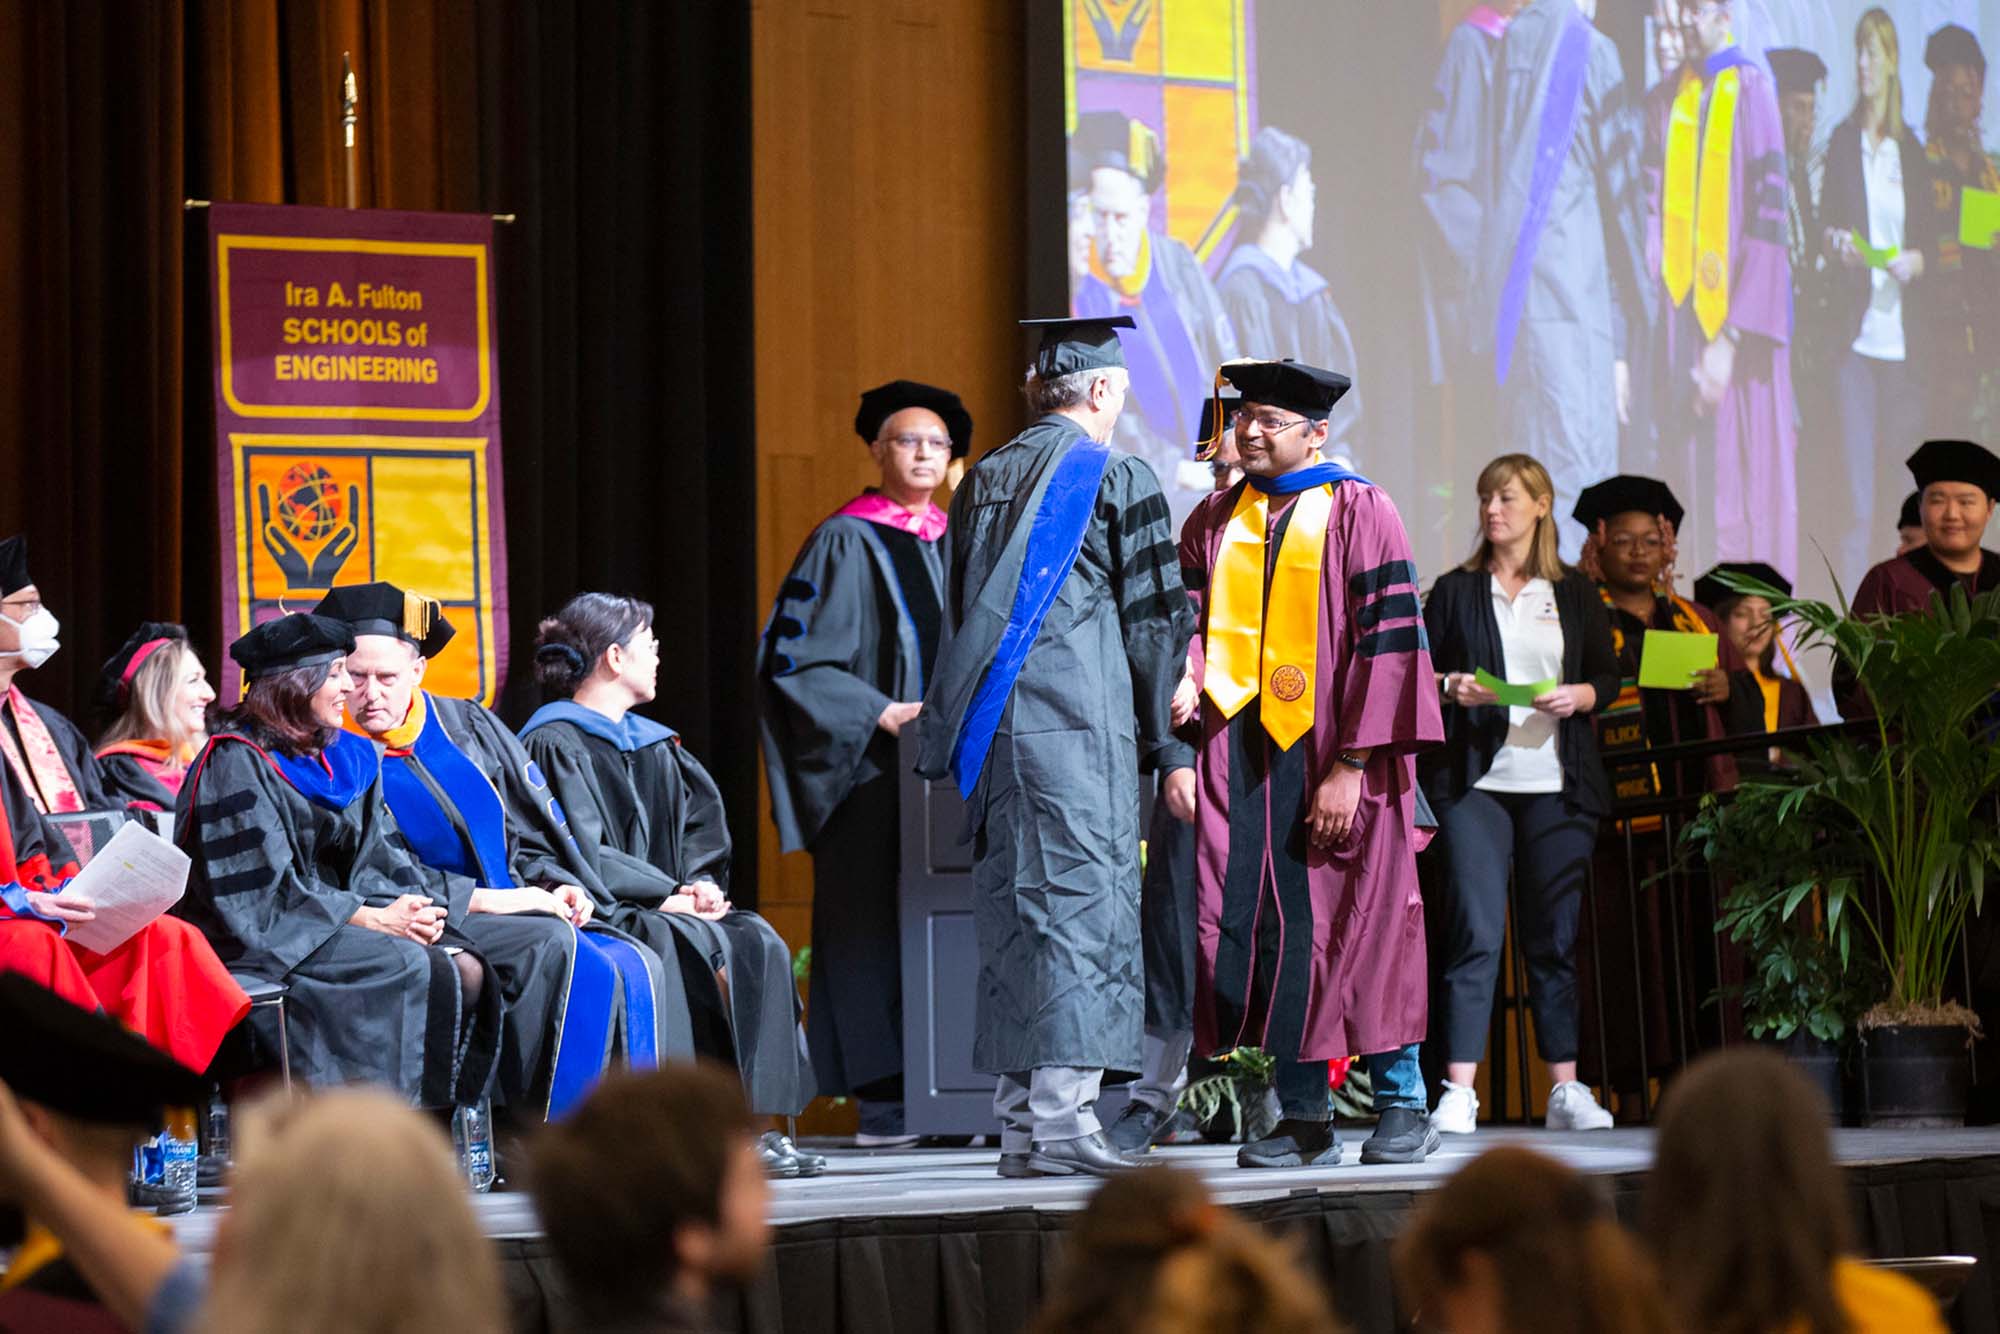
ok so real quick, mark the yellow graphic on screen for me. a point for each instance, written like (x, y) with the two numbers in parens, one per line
(1181, 68)
(314, 511)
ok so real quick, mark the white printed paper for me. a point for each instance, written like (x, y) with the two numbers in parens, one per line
(134, 878)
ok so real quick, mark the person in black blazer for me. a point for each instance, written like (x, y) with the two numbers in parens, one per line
(1877, 186)
(1514, 786)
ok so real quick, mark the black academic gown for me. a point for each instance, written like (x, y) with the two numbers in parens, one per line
(542, 852)
(77, 756)
(1054, 815)
(649, 820)
(275, 880)
(130, 783)
(854, 629)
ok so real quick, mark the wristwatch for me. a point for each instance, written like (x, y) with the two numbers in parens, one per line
(1349, 760)
(1444, 685)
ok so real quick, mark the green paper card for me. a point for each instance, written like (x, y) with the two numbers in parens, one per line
(1514, 697)
(1978, 218)
(1873, 258)
(1670, 659)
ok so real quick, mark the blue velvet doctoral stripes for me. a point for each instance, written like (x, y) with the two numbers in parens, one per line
(334, 777)
(1055, 537)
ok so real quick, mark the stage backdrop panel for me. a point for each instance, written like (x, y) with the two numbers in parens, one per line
(357, 420)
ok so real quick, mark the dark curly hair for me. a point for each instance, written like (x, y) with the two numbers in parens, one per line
(569, 644)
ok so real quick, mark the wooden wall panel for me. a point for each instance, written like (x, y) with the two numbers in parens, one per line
(889, 140)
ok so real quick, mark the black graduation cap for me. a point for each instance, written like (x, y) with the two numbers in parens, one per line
(1953, 45)
(1956, 461)
(1291, 385)
(297, 640)
(83, 1065)
(384, 609)
(112, 682)
(1795, 69)
(886, 400)
(1625, 494)
(1912, 515)
(1114, 139)
(1071, 345)
(1710, 592)
(1210, 427)
(14, 566)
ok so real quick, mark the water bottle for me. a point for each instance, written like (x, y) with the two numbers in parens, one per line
(178, 1151)
(216, 1128)
(472, 1134)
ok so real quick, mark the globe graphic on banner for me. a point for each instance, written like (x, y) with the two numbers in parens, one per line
(309, 507)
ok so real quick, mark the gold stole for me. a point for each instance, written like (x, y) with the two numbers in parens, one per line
(401, 737)
(1695, 215)
(1132, 283)
(1270, 650)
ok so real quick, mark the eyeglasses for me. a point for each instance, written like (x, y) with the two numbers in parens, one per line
(1267, 423)
(911, 444)
(1625, 542)
(28, 605)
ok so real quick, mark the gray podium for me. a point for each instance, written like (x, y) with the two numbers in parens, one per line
(942, 1093)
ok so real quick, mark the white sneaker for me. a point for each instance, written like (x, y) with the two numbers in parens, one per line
(1571, 1107)
(1457, 1110)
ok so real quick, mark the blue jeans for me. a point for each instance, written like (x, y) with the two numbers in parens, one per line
(1395, 1076)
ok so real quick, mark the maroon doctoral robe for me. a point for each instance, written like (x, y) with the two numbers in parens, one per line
(1905, 583)
(1736, 464)
(1312, 953)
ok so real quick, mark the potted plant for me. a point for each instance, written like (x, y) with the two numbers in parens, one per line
(1915, 794)
(1791, 871)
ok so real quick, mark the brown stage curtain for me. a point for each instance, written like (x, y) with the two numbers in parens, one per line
(123, 111)
(619, 132)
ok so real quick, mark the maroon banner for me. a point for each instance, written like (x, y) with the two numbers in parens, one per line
(358, 419)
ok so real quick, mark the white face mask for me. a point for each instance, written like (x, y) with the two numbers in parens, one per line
(37, 636)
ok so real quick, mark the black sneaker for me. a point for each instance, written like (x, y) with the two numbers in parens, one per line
(1135, 1127)
(1294, 1144)
(1402, 1135)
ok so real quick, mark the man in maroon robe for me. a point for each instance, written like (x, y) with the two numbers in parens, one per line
(1724, 387)
(1311, 926)
(1957, 485)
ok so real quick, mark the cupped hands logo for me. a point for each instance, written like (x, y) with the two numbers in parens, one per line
(313, 529)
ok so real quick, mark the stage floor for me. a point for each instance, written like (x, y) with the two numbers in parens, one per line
(934, 1182)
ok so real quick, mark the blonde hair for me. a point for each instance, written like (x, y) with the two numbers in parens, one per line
(1876, 23)
(1544, 559)
(348, 1213)
(149, 713)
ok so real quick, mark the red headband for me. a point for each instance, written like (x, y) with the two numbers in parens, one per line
(143, 652)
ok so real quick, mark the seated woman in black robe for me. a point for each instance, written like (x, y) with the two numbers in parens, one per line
(156, 692)
(649, 822)
(399, 974)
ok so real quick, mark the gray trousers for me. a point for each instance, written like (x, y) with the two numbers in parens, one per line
(1163, 1069)
(1048, 1103)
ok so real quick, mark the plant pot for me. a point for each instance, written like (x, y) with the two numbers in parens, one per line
(1915, 1076)
(1819, 1061)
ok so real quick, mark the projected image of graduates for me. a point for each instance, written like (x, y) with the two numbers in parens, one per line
(1747, 247)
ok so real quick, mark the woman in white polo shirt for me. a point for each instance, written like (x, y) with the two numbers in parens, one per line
(1518, 788)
